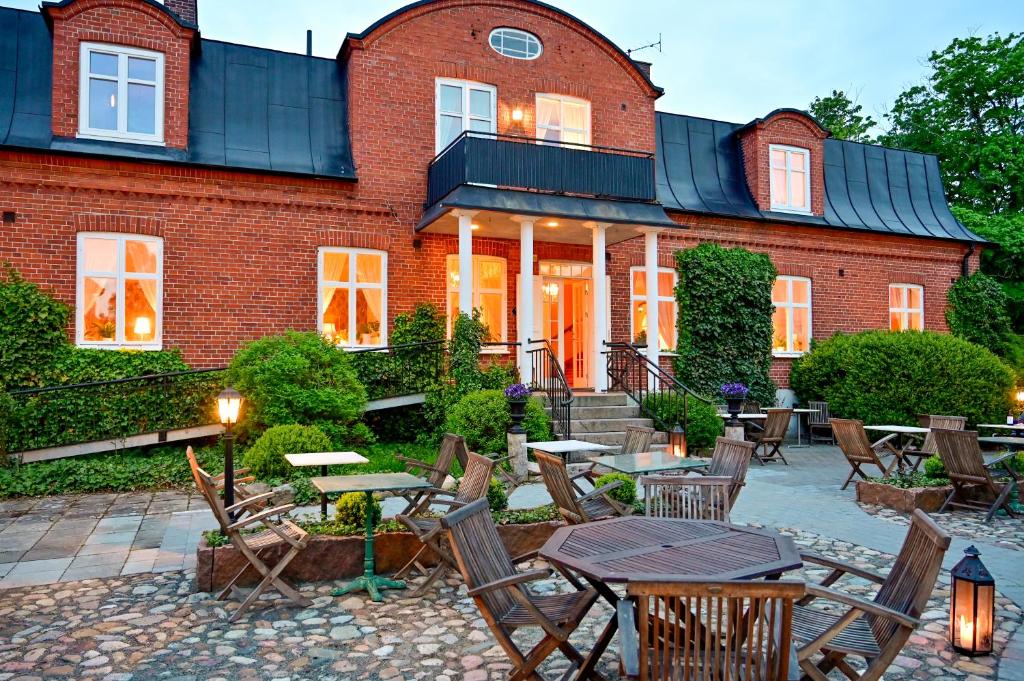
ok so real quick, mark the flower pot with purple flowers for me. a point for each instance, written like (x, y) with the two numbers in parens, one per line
(734, 394)
(517, 394)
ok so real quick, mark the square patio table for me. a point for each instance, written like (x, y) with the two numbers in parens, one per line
(647, 462)
(566, 448)
(324, 459)
(1015, 428)
(368, 484)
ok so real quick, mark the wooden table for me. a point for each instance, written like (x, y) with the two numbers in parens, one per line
(1013, 443)
(761, 417)
(905, 436)
(1017, 427)
(368, 484)
(325, 459)
(647, 462)
(618, 550)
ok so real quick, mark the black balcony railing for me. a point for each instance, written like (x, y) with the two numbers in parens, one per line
(510, 161)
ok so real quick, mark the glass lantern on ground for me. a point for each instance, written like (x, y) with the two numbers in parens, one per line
(971, 605)
(229, 405)
(677, 441)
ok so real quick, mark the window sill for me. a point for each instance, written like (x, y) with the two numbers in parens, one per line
(793, 211)
(150, 347)
(788, 355)
(504, 350)
(128, 139)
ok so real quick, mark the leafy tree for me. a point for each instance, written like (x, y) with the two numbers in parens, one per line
(842, 116)
(1005, 262)
(977, 312)
(970, 113)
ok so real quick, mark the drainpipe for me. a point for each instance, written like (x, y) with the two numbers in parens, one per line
(965, 264)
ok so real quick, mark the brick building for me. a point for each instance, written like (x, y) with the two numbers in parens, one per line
(501, 155)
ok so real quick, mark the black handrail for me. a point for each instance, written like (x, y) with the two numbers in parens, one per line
(399, 370)
(149, 378)
(549, 378)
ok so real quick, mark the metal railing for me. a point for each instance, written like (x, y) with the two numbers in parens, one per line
(549, 378)
(399, 370)
(514, 161)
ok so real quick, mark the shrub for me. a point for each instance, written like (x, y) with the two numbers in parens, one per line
(483, 418)
(499, 376)
(624, 493)
(299, 377)
(725, 319)
(468, 335)
(6, 419)
(933, 467)
(32, 331)
(886, 377)
(265, 458)
(351, 509)
(912, 480)
(703, 423)
(977, 312)
(496, 497)
(404, 370)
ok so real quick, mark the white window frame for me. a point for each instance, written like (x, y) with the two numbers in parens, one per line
(467, 86)
(351, 286)
(453, 287)
(635, 297)
(121, 134)
(906, 311)
(119, 275)
(562, 100)
(790, 305)
(788, 207)
(524, 35)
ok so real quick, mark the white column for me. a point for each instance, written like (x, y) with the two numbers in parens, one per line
(651, 265)
(600, 364)
(526, 311)
(465, 260)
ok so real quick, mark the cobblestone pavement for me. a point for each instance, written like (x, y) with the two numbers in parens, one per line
(156, 627)
(1002, 531)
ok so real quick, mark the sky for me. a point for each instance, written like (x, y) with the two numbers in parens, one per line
(731, 60)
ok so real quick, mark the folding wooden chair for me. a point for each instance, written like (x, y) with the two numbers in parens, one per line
(251, 545)
(500, 472)
(637, 439)
(858, 450)
(435, 473)
(971, 477)
(501, 595)
(731, 459)
(819, 423)
(577, 509)
(877, 629)
(427, 528)
(241, 478)
(695, 631)
(689, 497)
(770, 440)
(928, 447)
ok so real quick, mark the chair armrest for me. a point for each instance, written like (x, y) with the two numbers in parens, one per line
(511, 580)
(811, 557)
(277, 510)
(416, 463)
(877, 444)
(863, 605)
(600, 491)
(629, 639)
(529, 555)
(248, 501)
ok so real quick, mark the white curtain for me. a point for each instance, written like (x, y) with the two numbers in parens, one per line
(335, 265)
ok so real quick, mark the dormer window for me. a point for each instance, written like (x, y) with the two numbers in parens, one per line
(121, 94)
(790, 178)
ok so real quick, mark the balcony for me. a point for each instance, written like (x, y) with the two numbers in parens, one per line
(513, 162)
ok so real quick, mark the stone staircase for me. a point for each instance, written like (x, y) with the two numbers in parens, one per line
(602, 418)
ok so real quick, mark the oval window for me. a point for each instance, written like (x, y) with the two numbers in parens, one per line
(514, 43)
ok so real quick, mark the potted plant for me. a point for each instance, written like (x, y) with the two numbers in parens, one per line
(734, 394)
(517, 394)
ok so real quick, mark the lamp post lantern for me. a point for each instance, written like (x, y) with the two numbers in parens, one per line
(971, 605)
(229, 404)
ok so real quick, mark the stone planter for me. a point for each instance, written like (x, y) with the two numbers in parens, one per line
(327, 558)
(928, 499)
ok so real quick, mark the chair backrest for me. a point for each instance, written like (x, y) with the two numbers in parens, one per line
(961, 456)
(208, 486)
(941, 423)
(480, 555)
(720, 612)
(445, 456)
(457, 444)
(909, 584)
(731, 458)
(193, 463)
(776, 424)
(821, 415)
(853, 441)
(559, 486)
(638, 439)
(751, 407)
(476, 479)
(689, 497)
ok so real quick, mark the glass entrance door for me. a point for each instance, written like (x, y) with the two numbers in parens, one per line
(566, 305)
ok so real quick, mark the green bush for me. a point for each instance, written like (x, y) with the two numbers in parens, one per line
(933, 467)
(32, 331)
(404, 370)
(725, 319)
(977, 312)
(499, 376)
(624, 493)
(300, 378)
(912, 480)
(886, 377)
(483, 418)
(265, 458)
(7, 406)
(703, 422)
(351, 509)
(468, 335)
(496, 497)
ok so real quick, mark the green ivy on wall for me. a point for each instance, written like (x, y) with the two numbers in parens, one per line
(724, 319)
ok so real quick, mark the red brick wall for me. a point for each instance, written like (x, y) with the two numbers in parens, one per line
(132, 23)
(792, 129)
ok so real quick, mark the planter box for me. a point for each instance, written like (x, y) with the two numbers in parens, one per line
(928, 499)
(327, 558)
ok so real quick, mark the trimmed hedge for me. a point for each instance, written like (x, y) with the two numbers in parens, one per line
(886, 377)
(483, 418)
(703, 422)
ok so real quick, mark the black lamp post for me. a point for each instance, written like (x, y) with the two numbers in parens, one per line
(229, 404)
(971, 605)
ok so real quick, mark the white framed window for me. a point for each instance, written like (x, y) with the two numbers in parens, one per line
(515, 43)
(463, 105)
(490, 294)
(119, 291)
(790, 178)
(121, 93)
(906, 307)
(666, 307)
(352, 296)
(791, 321)
(563, 119)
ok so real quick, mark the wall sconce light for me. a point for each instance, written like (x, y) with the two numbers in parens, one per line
(971, 605)
(474, 226)
(552, 223)
(517, 115)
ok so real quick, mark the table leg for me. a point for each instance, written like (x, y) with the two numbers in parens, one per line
(586, 669)
(323, 496)
(799, 432)
(372, 583)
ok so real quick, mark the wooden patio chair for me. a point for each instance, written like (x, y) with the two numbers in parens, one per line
(637, 440)
(877, 629)
(577, 509)
(751, 428)
(731, 459)
(819, 424)
(770, 440)
(241, 479)
(694, 631)
(973, 484)
(501, 595)
(689, 497)
(500, 472)
(252, 544)
(858, 450)
(435, 473)
(427, 528)
(928, 447)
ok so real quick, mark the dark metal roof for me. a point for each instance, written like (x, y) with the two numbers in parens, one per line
(699, 169)
(249, 108)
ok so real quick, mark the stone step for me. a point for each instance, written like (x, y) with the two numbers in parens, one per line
(617, 438)
(612, 425)
(599, 400)
(618, 412)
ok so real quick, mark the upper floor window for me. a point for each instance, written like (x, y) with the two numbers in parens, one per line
(666, 307)
(463, 105)
(352, 295)
(563, 119)
(490, 293)
(514, 43)
(791, 321)
(121, 93)
(119, 290)
(906, 307)
(790, 178)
